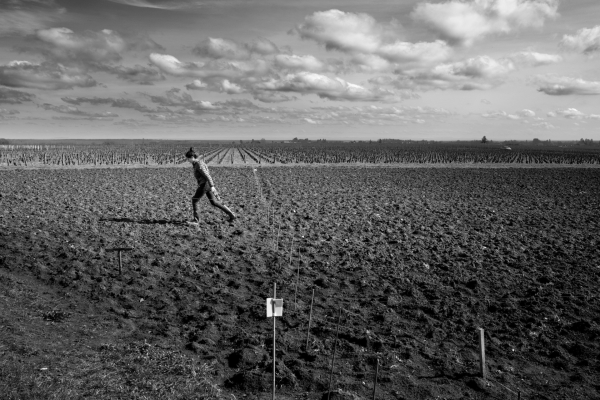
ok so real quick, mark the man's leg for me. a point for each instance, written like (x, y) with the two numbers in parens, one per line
(195, 199)
(215, 203)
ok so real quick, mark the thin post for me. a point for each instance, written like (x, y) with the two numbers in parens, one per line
(309, 319)
(519, 395)
(333, 357)
(120, 263)
(273, 305)
(376, 373)
(297, 279)
(482, 352)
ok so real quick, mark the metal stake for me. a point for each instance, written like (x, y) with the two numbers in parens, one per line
(333, 357)
(309, 319)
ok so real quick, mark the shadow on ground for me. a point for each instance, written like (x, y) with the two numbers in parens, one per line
(146, 221)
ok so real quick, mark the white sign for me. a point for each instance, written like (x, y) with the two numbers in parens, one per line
(278, 307)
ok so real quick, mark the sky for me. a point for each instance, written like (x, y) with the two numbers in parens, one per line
(317, 69)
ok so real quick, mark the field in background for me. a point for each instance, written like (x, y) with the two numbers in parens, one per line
(168, 153)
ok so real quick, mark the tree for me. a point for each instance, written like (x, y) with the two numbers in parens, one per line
(484, 140)
(4, 141)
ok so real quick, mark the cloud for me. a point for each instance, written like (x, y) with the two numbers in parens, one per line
(90, 47)
(348, 32)
(586, 40)
(476, 73)
(231, 88)
(120, 103)
(533, 59)
(158, 4)
(10, 96)
(219, 48)
(137, 74)
(75, 111)
(571, 113)
(8, 114)
(526, 113)
(272, 97)
(196, 85)
(24, 17)
(360, 34)
(324, 87)
(544, 124)
(43, 76)
(230, 70)
(464, 22)
(294, 62)
(561, 85)
(428, 52)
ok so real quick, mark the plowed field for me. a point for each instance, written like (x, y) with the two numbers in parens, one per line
(414, 260)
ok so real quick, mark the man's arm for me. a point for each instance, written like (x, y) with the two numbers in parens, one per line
(204, 171)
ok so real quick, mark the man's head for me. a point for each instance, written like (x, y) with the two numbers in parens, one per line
(191, 155)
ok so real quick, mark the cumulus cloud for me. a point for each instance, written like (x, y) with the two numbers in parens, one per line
(464, 22)
(10, 96)
(428, 52)
(571, 113)
(324, 87)
(304, 63)
(533, 59)
(361, 34)
(231, 88)
(76, 111)
(95, 47)
(136, 74)
(223, 69)
(562, 85)
(526, 113)
(476, 73)
(350, 32)
(90, 46)
(272, 97)
(196, 85)
(586, 40)
(43, 76)
(220, 48)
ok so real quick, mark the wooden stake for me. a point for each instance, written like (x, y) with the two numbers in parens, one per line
(376, 373)
(309, 319)
(274, 318)
(482, 353)
(333, 357)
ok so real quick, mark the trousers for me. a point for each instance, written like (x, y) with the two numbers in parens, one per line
(205, 190)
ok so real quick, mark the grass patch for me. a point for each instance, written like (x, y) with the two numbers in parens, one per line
(130, 371)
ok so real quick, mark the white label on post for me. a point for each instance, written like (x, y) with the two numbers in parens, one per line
(278, 307)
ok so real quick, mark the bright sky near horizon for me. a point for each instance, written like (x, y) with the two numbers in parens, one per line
(278, 69)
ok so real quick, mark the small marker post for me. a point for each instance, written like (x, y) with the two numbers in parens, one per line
(337, 332)
(482, 353)
(309, 319)
(120, 249)
(376, 373)
(274, 309)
